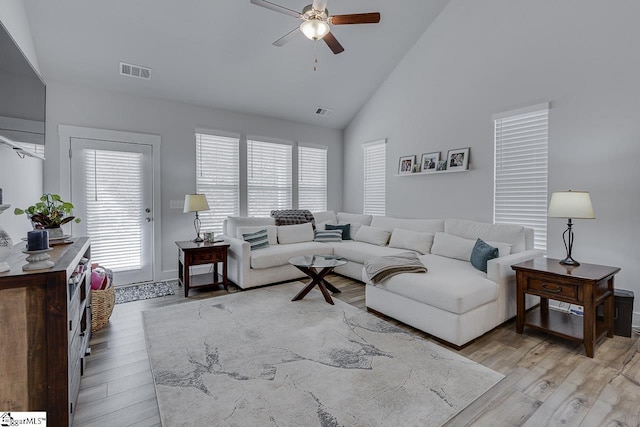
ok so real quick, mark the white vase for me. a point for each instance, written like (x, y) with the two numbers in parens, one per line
(55, 233)
(6, 244)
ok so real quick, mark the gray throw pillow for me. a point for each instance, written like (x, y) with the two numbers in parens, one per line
(481, 253)
(257, 240)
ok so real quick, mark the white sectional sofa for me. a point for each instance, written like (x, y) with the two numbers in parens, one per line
(453, 301)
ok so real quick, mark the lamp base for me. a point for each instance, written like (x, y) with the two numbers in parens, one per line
(569, 261)
(198, 240)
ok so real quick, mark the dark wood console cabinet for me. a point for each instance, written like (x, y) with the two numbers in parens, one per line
(45, 326)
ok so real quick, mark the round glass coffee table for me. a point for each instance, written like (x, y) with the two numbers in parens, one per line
(316, 267)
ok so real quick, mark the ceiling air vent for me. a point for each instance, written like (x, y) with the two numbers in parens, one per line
(323, 112)
(135, 71)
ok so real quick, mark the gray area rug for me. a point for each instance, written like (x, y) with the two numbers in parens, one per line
(256, 358)
(144, 291)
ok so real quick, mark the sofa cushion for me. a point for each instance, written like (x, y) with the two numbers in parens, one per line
(506, 233)
(450, 284)
(451, 246)
(328, 236)
(360, 252)
(272, 232)
(390, 223)
(481, 253)
(233, 222)
(413, 240)
(257, 239)
(275, 256)
(344, 218)
(345, 229)
(288, 234)
(325, 216)
(373, 235)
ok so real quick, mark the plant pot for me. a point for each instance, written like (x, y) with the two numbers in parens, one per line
(55, 233)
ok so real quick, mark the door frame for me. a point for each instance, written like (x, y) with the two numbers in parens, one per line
(66, 133)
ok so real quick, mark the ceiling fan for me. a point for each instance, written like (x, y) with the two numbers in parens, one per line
(316, 22)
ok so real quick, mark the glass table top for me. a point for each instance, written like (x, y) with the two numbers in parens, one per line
(318, 261)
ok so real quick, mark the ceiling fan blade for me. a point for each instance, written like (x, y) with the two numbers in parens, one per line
(320, 5)
(286, 38)
(333, 44)
(276, 8)
(356, 18)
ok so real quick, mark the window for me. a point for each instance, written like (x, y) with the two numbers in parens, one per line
(521, 157)
(375, 156)
(268, 177)
(312, 178)
(217, 176)
(113, 184)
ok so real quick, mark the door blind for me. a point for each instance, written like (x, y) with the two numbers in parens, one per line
(114, 214)
(312, 178)
(375, 156)
(268, 177)
(217, 176)
(521, 168)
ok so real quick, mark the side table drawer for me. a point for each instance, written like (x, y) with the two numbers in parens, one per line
(207, 256)
(551, 289)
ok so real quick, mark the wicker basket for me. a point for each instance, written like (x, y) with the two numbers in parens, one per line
(102, 303)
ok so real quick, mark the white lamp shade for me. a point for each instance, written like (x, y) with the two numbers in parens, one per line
(314, 29)
(195, 203)
(571, 204)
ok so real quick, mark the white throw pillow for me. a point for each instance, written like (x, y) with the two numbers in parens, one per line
(451, 246)
(272, 232)
(413, 240)
(349, 218)
(234, 222)
(504, 249)
(295, 233)
(373, 235)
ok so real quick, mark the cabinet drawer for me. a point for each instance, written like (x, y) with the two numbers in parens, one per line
(553, 290)
(202, 257)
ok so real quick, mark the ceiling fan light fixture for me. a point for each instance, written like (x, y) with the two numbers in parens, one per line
(314, 29)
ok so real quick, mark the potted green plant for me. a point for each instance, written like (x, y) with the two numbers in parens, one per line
(50, 213)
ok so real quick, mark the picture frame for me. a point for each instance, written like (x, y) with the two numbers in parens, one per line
(405, 166)
(458, 159)
(429, 161)
(442, 165)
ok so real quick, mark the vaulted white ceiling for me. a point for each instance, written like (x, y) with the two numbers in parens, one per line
(218, 53)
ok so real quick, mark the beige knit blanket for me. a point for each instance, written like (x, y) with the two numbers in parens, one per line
(383, 267)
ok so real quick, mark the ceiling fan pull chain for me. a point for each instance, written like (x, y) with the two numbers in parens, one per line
(315, 55)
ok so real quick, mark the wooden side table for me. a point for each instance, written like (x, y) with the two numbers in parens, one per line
(190, 254)
(588, 285)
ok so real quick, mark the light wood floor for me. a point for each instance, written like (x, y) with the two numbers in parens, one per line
(547, 381)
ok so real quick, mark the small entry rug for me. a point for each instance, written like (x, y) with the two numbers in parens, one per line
(144, 291)
(256, 358)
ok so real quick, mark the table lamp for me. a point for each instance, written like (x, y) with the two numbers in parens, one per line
(196, 203)
(571, 205)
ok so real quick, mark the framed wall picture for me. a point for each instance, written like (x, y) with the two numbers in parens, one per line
(458, 159)
(442, 166)
(406, 165)
(429, 161)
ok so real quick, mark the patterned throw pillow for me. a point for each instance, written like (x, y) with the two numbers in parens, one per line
(257, 240)
(328, 236)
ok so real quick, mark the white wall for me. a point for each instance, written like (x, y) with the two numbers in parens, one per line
(175, 122)
(480, 58)
(20, 179)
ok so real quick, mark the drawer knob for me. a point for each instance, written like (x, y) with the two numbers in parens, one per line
(554, 289)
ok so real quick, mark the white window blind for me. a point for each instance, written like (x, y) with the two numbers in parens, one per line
(113, 185)
(312, 178)
(521, 165)
(375, 156)
(217, 176)
(268, 177)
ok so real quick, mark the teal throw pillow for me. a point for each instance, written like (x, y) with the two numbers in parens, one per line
(345, 228)
(481, 253)
(257, 240)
